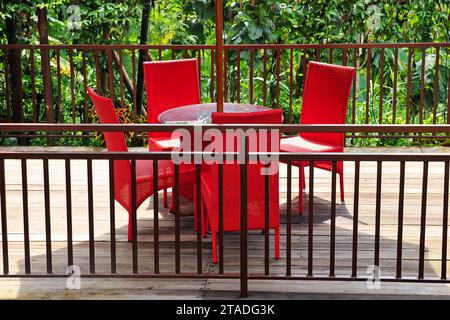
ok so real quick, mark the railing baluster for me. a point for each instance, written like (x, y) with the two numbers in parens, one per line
(448, 94)
(304, 67)
(26, 229)
(72, 85)
(20, 88)
(355, 64)
(423, 220)
(97, 72)
(291, 80)
(69, 212)
(445, 222)
(133, 66)
(199, 217)
(7, 91)
(252, 58)
(369, 62)
(91, 217)
(134, 217)
(266, 221)
(199, 62)
(48, 230)
(380, 109)
(344, 56)
(110, 74)
(243, 220)
(4, 216)
(401, 203)
(436, 86)
(155, 217)
(85, 86)
(121, 77)
(422, 86)
(212, 89)
(378, 214)
(408, 85)
(33, 85)
(394, 98)
(333, 220)
(265, 78)
(225, 74)
(278, 77)
(331, 56)
(355, 221)
(177, 217)
(288, 218)
(112, 217)
(58, 72)
(238, 76)
(221, 244)
(311, 219)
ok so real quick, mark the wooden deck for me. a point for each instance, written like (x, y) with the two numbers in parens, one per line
(209, 288)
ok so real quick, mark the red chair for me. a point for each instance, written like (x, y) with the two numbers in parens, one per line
(115, 142)
(170, 84)
(231, 185)
(325, 99)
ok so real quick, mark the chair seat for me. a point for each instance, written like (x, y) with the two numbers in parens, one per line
(144, 171)
(300, 144)
(164, 143)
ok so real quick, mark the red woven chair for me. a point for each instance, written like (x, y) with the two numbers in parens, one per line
(325, 99)
(170, 84)
(115, 142)
(231, 185)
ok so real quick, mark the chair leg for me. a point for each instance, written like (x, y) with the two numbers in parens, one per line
(165, 199)
(304, 179)
(214, 247)
(341, 182)
(300, 191)
(340, 171)
(277, 243)
(130, 229)
(204, 218)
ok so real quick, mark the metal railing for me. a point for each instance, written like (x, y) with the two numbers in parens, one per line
(399, 83)
(272, 270)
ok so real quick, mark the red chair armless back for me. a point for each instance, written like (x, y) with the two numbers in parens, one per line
(256, 180)
(104, 107)
(325, 99)
(115, 141)
(170, 84)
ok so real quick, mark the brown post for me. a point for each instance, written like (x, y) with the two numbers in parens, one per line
(46, 71)
(219, 55)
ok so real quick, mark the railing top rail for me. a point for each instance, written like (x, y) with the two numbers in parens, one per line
(229, 46)
(274, 156)
(285, 128)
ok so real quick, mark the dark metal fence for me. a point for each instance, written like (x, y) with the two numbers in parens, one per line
(292, 242)
(394, 84)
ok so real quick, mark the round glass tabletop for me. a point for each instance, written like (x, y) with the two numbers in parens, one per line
(201, 113)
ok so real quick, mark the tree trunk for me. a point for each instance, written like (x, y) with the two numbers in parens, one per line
(143, 40)
(46, 70)
(15, 73)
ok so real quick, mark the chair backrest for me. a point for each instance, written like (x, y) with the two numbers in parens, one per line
(115, 141)
(256, 179)
(170, 84)
(325, 99)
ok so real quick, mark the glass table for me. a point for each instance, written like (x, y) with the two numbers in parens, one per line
(201, 113)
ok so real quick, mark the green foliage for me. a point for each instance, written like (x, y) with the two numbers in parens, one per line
(126, 116)
(245, 22)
